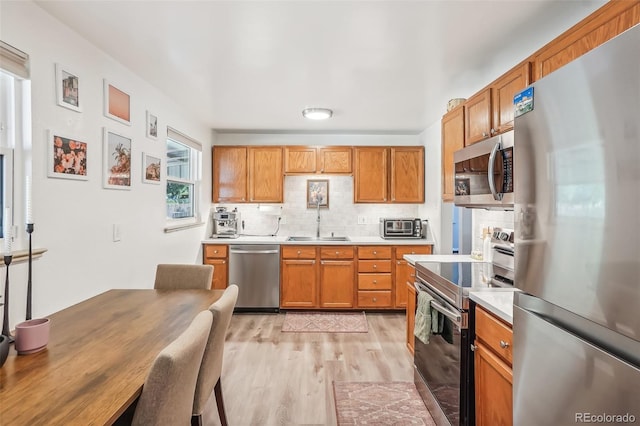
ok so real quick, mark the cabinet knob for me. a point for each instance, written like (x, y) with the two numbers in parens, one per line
(413, 252)
(375, 252)
(299, 252)
(484, 134)
(398, 262)
(337, 253)
(224, 261)
(375, 281)
(215, 252)
(375, 299)
(493, 131)
(375, 266)
(503, 344)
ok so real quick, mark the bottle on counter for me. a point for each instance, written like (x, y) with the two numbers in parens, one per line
(486, 244)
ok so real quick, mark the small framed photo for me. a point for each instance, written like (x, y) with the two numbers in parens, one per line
(152, 126)
(67, 157)
(317, 193)
(117, 104)
(150, 169)
(68, 88)
(116, 161)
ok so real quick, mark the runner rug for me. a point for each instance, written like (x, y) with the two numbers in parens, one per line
(325, 322)
(384, 403)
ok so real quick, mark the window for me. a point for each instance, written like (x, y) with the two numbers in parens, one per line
(183, 177)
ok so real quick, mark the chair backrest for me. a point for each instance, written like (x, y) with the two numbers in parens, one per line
(167, 394)
(183, 276)
(211, 367)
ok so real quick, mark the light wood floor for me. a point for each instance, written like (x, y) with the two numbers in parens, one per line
(274, 378)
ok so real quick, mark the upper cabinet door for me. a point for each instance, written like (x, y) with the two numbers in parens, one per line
(265, 174)
(229, 174)
(477, 111)
(335, 160)
(452, 140)
(407, 174)
(300, 159)
(370, 174)
(504, 89)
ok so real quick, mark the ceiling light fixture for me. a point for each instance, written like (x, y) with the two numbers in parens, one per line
(317, 113)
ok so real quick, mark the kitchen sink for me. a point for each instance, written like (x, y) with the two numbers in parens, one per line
(295, 238)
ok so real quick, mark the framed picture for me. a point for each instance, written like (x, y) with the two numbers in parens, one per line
(116, 161)
(150, 169)
(117, 104)
(152, 126)
(67, 157)
(68, 88)
(317, 193)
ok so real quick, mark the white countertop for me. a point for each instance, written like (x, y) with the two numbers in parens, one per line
(353, 240)
(498, 301)
(413, 258)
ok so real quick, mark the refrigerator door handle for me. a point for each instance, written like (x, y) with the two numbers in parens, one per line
(492, 183)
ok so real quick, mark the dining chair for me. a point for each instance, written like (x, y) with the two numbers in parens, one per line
(209, 377)
(183, 276)
(167, 393)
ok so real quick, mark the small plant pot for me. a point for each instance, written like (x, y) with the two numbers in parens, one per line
(32, 336)
(4, 349)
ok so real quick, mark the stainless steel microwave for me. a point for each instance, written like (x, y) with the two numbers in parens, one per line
(484, 174)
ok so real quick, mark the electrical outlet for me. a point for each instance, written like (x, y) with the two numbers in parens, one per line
(362, 220)
(116, 232)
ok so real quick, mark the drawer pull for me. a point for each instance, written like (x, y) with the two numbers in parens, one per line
(375, 252)
(503, 344)
(215, 252)
(375, 281)
(375, 266)
(412, 275)
(375, 299)
(299, 252)
(337, 253)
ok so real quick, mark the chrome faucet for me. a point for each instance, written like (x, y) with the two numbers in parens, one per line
(318, 219)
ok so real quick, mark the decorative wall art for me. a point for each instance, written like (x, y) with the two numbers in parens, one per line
(317, 193)
(116, 161)
(67, 157)
(68, 88)
(152, 126)
(150, 169)
(117, 104)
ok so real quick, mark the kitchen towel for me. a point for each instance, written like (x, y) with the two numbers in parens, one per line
(426, 318)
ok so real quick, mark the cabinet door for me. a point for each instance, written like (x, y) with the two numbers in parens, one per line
(220, 273)
(298, 287)
(370, 175)
(407, 174)
(265, 174)
(411, 314)
(229, 174)
(503, 90)
(300, 159)
(452, 140)
(405, 274)
(493, 389)
(337, 283)
(335, 160)
(477, 112)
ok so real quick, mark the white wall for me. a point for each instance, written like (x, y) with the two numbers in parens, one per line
(73, 219)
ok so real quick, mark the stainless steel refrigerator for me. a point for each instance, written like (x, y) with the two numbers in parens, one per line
(577, 219)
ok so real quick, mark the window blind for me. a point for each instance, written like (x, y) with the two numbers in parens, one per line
(14, 61)
(184, 139)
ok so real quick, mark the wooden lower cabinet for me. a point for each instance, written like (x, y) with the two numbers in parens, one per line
(404, 272)
(336, 283)
(411, 314)
(218, 256)
(299, 287)
(493, 370)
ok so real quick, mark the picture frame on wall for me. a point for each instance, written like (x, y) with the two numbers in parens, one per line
(317, 193)
(152, 126)
(68, 88)
(117, 104)
(116, 159)
(151, 169)
(67, 157)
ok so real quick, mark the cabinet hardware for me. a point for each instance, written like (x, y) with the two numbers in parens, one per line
(375, 300)
(473, 347)
(375, 266)
(503, 344)
(412, 275)
(299, 252)
(375, 252)
(337, 253)
(484, 134)
(375, 281)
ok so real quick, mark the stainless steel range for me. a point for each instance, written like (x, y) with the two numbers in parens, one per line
(444, 366)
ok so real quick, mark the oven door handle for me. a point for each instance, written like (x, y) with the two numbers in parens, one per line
(453, 316)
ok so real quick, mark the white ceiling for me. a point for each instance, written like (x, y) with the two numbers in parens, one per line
(382, 66)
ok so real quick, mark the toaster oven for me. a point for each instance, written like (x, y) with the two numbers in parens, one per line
(401, 228)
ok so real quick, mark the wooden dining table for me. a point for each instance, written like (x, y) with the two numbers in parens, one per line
(97, 358)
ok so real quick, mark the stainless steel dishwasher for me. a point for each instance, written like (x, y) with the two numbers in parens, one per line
(256, 270)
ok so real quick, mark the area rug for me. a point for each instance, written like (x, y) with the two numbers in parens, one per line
(325, 322)
(383, 403)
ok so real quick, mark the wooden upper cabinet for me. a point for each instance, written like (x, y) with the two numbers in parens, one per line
(502, 92)
(311, 160)
(452, 140)
(605, 23)
(370, 174)
(407, 174)
(265, 174)
(335, 160)
(477, 112)
(229, 174)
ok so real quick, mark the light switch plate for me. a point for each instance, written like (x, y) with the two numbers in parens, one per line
(116, 232)
(362, 220)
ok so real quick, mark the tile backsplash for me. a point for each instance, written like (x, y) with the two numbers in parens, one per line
(489, 218)
(340, 218)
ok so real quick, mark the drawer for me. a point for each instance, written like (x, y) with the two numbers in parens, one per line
(374, 252)
(496, 334)
(402, 250)
(298, 252)
(215, 251)
(374, 299)
(374, 266)
(336, 252)
(374, 281)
